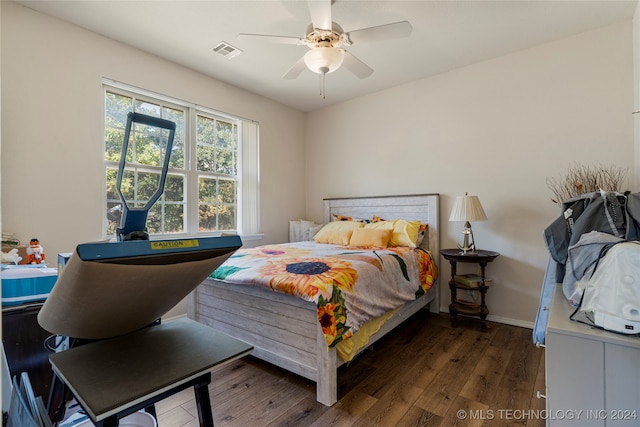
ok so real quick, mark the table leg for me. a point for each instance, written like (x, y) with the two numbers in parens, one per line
(454, 294)
(112, 421)
(453, 315)
(483, 322)
(151, 409)
(483, 305)
(203, 403)
(56, 404)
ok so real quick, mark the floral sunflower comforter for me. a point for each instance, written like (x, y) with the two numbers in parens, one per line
(349, 286)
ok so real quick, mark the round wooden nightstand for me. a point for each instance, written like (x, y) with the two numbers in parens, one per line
(457, 306)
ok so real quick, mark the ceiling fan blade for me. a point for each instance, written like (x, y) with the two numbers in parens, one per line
(295, 71)
(272, 39)
(357, 67)
(320, 11)
(382, 32)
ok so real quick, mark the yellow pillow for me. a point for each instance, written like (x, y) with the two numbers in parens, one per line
(405, 233)
(337, 232)
(370, 237)
(380, 225)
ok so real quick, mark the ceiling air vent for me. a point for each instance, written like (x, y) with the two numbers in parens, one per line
(226, 50)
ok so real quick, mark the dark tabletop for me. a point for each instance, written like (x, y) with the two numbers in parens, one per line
(109, 375)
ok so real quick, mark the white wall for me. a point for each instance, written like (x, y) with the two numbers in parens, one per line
(496, 129)
(52, 129)
(636, 92)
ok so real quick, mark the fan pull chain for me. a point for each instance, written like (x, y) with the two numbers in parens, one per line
(322, 91)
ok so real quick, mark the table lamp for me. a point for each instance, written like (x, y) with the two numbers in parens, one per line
(467, 208)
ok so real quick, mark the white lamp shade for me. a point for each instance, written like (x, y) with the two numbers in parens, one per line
(323, 60)
(467, 208)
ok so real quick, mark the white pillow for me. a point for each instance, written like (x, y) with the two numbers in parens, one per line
(294, 230)
(302, 230)
(308, 229)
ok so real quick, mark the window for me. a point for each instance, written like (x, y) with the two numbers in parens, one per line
(212, 181)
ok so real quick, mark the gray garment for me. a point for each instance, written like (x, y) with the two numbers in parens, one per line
(633, 219)
(612, 213)
(571, 225)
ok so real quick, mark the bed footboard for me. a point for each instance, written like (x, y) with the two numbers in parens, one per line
(283, 330)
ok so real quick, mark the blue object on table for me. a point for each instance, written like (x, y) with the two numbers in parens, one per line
(23, 284)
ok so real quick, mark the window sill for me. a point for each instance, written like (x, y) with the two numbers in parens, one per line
(251, 237)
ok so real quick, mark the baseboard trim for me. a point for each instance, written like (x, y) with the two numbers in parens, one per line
(500, 319)
(509, 321)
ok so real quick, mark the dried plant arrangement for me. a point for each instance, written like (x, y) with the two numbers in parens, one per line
(581, 179)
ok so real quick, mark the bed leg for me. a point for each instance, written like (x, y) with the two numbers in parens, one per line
(434, 305)
(327, 371)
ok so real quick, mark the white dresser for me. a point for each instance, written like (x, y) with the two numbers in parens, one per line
(592, 376)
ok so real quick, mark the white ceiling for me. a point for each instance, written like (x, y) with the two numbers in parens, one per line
(446, 35)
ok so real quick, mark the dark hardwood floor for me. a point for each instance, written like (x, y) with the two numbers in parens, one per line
(424, 374)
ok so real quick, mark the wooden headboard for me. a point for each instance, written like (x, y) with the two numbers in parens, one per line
(422, 207)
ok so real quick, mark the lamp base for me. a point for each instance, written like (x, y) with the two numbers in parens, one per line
(468, 248)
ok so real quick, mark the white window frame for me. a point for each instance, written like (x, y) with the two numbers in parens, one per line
(248, 171)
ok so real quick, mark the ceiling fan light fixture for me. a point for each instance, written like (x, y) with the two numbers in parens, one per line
(324, 60)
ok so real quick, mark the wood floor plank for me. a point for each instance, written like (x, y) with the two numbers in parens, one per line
(422, 372)
(226, 387)
(246, 384)
(253, 394)
(277, 401)
(357, 372)
(391, 407)
(346, 411)
(515, 392)
(393, 364)
(303, 413)
(467, 413)
(524, 364)
(177, 416)
(420, 376)
(418, 417)
(483, 382)
(174, 401)
(446, 385)
(538, 403)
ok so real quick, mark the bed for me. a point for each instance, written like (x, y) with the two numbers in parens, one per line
(285, 329)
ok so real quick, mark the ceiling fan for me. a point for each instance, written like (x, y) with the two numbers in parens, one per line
(326, 39)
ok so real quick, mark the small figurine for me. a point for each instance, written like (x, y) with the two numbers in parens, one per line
(35, 253)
